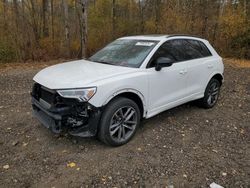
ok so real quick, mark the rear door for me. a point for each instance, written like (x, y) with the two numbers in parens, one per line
(199, 66)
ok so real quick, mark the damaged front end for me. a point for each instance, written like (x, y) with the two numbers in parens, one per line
(63, 115)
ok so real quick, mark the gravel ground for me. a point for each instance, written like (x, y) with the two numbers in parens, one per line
(183, 147)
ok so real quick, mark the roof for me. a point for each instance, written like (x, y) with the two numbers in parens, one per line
(159, 37)
(146, 37)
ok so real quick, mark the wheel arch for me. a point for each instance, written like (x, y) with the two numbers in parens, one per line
(219, 77)
(132, 94)
(215, 75)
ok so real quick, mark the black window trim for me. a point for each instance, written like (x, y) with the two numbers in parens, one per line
(151, 59)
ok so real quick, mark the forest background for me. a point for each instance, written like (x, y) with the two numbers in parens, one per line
(42, 30)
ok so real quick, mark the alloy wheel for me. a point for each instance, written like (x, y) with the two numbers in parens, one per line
(123, 123)
(213, 93)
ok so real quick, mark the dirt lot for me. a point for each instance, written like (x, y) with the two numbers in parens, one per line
(183, 147)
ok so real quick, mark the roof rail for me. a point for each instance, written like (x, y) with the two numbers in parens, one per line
(182, 35)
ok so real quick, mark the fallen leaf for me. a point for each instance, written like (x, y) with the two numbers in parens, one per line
(224, 174)
(25, 144)
(6, 166)
(15, 143)
(215, 185)
(71, 165)
(110, 178)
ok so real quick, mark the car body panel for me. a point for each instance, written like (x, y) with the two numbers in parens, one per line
(166, 86)
(78, 74)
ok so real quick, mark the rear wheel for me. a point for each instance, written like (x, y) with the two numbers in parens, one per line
(119, 122)
(211, 94)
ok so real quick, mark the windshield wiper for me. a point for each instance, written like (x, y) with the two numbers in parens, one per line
(104, 62)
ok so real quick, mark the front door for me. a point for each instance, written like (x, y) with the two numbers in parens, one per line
(167, 87)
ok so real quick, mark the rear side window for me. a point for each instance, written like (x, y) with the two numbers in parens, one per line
(205, 51)
(195, 49)
(181, 50)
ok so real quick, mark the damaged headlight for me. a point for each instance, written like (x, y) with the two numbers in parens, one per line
(83, 94)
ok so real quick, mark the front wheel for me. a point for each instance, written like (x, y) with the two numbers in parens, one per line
(119, 121)
(211, 94)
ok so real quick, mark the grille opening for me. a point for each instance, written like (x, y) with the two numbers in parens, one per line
(39, 92)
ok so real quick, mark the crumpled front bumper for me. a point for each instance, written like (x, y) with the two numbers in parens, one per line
(68, 118)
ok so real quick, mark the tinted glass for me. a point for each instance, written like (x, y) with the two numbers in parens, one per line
(125, 52)
(204, 50)
(181, 50)
(172, 49)
(175, 48)
(195, 49)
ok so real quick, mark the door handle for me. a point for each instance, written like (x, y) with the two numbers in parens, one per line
(210, 66)
(183, 72)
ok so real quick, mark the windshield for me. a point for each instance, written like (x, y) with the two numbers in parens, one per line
(124, 52)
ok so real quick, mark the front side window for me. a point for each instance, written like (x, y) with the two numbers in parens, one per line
(172, 49)
(124, 52)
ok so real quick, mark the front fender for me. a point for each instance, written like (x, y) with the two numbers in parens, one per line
(108, 89)
(127, 90)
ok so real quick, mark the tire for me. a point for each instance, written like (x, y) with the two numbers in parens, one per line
(119, 122)
(211, 94)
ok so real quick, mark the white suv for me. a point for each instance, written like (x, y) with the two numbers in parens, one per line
(131, 78)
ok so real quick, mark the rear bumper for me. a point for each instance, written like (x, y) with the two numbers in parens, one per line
(70, 119)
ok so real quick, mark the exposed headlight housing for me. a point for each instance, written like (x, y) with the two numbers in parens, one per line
(83, 94)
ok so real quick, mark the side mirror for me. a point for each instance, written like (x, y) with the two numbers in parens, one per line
(163, 62)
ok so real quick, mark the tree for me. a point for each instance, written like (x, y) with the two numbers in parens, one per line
(141, 15)
(52, 22)
(45, 16)
(113, 17)
(66, 26)
(46, 29)
(83, 28)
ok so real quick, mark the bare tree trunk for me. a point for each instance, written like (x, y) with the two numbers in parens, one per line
(157, 5)
(16, 12)
(204, 13)
(247, 9)
(66, 26)
(45, 16)
(34, 23)
(23, 33)
(221, 6)
(113, 18)
(52, 22)
(4, 15)
(141, 16)
(83, 28)
(16, 33)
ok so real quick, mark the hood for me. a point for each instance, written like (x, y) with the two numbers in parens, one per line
(78, 74)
